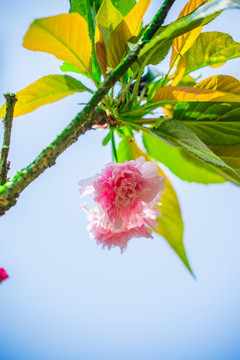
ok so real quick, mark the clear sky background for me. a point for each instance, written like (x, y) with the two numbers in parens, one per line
(67, 299)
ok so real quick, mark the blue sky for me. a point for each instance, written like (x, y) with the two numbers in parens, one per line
(69, 299)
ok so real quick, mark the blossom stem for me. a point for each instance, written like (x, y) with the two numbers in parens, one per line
(114, 151)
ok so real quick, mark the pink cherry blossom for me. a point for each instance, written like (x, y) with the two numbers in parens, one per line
(3, 275)
(126, 196)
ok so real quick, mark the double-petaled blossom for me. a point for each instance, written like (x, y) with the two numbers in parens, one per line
(3, 275)
(125, 196)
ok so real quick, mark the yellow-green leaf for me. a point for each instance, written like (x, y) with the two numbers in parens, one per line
(65, 36)
(170, 224)
(213, 49)
(116, 48)
(44, 91)
(172, 94)
(100, 49)
(135, 16)
(107, 19)
(182, 43)
(186, 166)
(231, 156)
(223, 83)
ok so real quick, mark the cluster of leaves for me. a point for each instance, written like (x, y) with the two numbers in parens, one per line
(197, 135)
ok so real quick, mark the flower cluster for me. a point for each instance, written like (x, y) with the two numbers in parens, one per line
(125, 196)
(3, 275)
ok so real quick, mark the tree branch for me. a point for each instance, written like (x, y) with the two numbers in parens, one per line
(7, 121)
(84, 121)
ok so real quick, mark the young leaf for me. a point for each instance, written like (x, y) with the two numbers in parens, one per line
(179, 134)
(44, 91)
(170, 224)
(65, 36)
(212, 48)
(107, 19)
(135, 16)
(65, 67)
(182, 43)
(117, 44)
(96, 71)
(100, 49)
(201, 16)
(184, 165)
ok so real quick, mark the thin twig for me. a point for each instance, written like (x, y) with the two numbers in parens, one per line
(7, 121)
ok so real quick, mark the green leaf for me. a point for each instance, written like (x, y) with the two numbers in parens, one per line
(211, 48)
(124, 6)
(157, 53)
(177, 132)
(231, 156)
(107, 138)
(170, 224)
(91, 30)
(80, 7)
(44, 91)
(184, 165)
(214, 124)
(216, 133)
(65, 67)
(201, 16)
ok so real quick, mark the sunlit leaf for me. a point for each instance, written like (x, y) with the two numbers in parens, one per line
(224, 83)
(65, 36)
(170, 225)
(213, 48)
(172, 94)
(44, 91)
(187, 167)
(135, 16)
(182, 43)
(199, 17)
